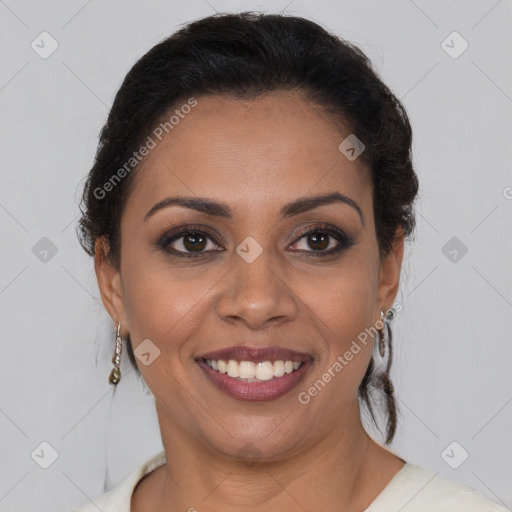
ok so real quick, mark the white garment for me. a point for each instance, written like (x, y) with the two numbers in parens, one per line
(412, 489)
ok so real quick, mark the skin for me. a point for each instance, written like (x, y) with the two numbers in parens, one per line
(256, 156)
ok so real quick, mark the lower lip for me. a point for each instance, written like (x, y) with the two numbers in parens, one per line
(255, 391)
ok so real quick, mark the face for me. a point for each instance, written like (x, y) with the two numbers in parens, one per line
(253, 272)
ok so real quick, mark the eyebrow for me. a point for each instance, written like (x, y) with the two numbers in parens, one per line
(216, 209)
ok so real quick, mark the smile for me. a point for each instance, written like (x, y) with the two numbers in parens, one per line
(249, 371)
(249, 381)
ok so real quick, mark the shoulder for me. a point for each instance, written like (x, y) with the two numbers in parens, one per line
(416, 489)
(118, 499)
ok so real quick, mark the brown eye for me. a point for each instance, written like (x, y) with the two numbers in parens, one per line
(188, 242)
(324, 240)
(194, 242)
(318, 241)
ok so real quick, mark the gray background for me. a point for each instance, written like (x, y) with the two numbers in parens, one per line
(452, 337)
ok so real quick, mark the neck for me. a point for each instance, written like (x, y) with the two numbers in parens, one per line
(341, 471)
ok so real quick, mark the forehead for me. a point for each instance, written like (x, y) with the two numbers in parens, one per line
(272, 149)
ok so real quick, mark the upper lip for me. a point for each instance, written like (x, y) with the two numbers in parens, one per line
(256, 355)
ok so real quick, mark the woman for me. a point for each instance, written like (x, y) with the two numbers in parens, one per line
(247, 212)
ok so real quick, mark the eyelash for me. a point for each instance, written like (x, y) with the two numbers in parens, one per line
(165, 238)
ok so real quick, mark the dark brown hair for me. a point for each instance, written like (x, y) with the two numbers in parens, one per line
(245, 55)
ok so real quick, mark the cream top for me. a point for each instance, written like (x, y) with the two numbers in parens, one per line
(412, 489)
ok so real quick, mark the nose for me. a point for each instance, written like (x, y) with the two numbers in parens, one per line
(257, 295)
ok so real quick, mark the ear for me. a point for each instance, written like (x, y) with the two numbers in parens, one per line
(109, 283)
(389, 279)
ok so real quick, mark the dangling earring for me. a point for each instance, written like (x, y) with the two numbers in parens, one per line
(381, 345)
(115, 374)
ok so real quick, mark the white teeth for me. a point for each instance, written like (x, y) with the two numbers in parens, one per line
(254, 372)
(232, 368)
(279, 369)
(265, 370)
(246, 370)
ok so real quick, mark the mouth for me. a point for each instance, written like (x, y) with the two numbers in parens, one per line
(255, 374)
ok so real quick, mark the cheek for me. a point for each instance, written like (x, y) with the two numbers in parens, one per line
(342, 306)
(162, 302)
(345, 298)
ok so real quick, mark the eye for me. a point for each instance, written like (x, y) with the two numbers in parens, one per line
(189, 242)
(324, 240)
(192, 242)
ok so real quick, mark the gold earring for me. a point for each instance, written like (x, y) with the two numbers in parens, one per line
(381, 347)
(115, 374)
